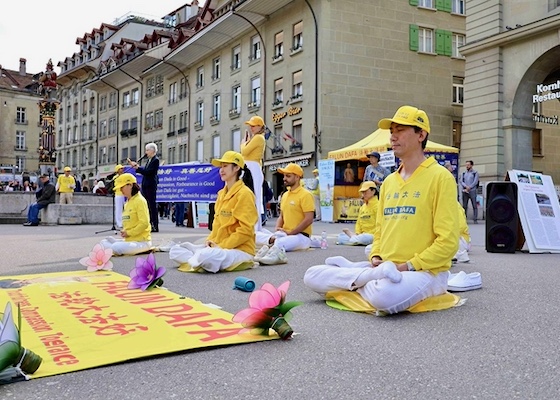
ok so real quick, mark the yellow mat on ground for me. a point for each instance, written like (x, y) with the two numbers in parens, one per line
(78, 320)
(352, 301)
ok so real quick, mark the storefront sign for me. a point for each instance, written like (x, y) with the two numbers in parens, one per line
(546, 120)
(302, 163)
(542, 89)
(277, 117)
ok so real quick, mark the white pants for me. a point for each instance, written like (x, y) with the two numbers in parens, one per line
(363, 239)
(258, 179)
(283, 240)
(211, 259)
(122, 248)
(381, 293)
(119, 207)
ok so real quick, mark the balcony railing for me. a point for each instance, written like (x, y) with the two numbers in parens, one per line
(296, 147)
(234, 113)
(198, 125)
(214, 120)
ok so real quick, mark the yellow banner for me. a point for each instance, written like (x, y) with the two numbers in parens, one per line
(78, 320)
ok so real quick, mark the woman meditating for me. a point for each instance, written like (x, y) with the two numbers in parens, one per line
(136, 230)
(231, 245)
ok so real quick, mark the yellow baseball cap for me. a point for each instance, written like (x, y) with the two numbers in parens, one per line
(292, 168)
(67, 169)
(124, 179)
(119, 166)
(255, 120)
(229, 157)
(368, 185)
(407, 115)
(315, 171)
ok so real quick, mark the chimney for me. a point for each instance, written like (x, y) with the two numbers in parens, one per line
(22, 62)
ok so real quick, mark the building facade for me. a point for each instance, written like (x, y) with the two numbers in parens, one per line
(19, 121)
(512, 87)
(321, 74)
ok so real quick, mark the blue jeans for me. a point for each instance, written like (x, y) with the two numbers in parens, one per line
(33, 212)
(179, 213)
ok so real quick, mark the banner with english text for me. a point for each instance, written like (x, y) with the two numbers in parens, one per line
(78, 320)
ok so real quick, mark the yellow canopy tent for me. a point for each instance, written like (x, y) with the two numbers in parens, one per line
(379, 141)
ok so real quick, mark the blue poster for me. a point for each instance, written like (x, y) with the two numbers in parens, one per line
(326, 185)
(182, 183)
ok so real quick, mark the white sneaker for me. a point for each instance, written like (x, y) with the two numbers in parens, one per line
(462, 282)
(462, 257)
(261, 253)
(275, 255)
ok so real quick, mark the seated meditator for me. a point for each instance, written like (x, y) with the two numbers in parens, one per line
(416, 233)
(462, 255)
(365, 224)
(231, 244)
(136, 229)
(293, 226)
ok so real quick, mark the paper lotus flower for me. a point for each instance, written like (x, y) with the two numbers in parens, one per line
(12, 355)
(146, 274)
(267, 310)
(98, 259)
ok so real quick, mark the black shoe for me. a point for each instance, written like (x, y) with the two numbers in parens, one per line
(155, 230)
(31, 224)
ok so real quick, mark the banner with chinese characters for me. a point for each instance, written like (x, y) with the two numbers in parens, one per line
(180, 183)
(78, 320)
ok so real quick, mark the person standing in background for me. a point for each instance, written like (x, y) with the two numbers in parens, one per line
(469, 185)
(315, 190)
(375, 172)
(120, 198)
(65, 185)
(150, 182)
(252, 150)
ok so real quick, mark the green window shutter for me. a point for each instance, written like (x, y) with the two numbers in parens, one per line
(447, 43)
(439, 5)
(413, 2)
(440, 42)
(413, 37)
(446, 6)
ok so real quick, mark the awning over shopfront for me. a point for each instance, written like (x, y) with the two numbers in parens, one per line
(302, 160)
(380, 141)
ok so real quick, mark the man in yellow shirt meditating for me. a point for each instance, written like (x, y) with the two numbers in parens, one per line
(416, 233)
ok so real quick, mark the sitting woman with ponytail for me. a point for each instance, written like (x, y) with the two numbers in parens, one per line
(231, 245)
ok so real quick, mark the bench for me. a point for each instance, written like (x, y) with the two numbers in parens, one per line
(76, 214)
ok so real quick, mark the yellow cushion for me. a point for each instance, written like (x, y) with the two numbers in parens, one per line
(186, 267)
(352, 301)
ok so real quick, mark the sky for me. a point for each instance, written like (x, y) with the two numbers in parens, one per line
(45, 30)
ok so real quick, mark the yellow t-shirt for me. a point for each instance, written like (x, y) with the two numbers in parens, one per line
(253, 150)
(417, 219)
(294, 205)
(136, 219)
(66, 184)
(235, 218)
(367, 216)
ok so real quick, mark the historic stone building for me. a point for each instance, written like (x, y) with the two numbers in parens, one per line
(321, 74)
(19, 121)
(512, 87)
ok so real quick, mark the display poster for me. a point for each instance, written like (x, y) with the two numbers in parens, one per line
(539, 211)
(326, 186)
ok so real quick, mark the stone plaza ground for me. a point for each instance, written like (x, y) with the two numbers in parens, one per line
(501, 344)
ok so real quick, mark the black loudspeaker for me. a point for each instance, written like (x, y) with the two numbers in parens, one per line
(502, 218)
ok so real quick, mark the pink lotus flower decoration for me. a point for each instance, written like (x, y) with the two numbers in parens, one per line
(146, 274)
(267, 310)
(98, 259)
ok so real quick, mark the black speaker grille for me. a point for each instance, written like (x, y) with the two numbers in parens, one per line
(500, 237)
(501, 209)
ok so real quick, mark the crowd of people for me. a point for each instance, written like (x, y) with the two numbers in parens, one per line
(411, 240)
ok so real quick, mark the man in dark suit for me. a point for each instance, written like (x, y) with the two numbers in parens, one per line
(150, 182)
(45, 196)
